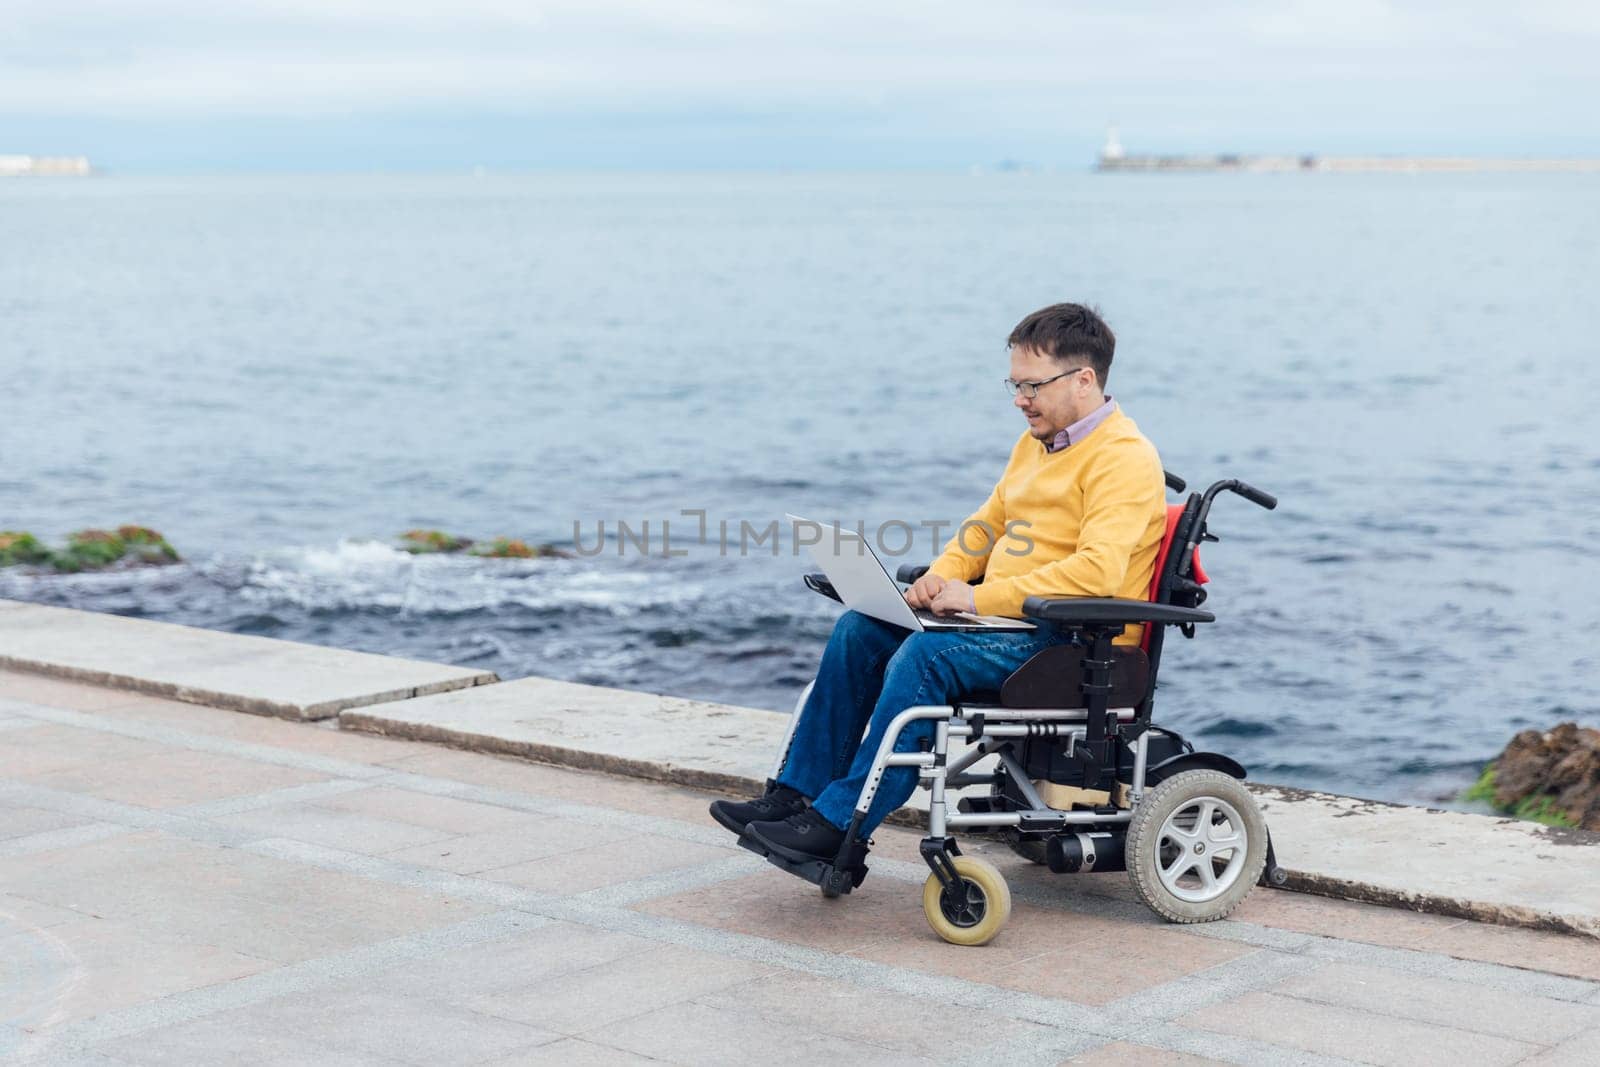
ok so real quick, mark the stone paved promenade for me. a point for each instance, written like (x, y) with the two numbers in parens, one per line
(180, 884)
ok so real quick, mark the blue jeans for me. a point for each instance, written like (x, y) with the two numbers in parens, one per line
(872, 671)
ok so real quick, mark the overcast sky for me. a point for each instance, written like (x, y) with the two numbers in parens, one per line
(183, 85)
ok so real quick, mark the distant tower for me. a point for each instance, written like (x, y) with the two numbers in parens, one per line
(1113, 149)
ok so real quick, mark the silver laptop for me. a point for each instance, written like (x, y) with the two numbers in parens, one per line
(862, 583)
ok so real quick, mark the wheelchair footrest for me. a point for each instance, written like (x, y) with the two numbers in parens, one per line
(833, 876)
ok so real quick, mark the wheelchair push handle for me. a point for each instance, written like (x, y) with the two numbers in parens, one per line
(1234, 485)
(1254, 495)
(1197, 530)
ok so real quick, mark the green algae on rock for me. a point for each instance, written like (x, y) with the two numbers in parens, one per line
(19, 546)
(1551, 777)
(146, 545)
(430, 542)
(504, 548)
(89, 550)
(511, 548)
(423, 542)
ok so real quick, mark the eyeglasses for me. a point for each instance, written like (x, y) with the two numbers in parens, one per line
(1031, 389)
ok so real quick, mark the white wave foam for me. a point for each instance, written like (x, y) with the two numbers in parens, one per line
(354, 555)
(365, 575)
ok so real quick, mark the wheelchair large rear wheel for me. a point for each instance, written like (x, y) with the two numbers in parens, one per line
(973, 910)
(1196, 846)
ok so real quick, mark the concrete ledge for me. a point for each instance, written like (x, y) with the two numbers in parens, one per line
(1478, 867)
(243, 673)
(1450, 863)
(643, 735)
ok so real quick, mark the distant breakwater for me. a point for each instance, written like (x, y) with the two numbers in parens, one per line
(1226, 162)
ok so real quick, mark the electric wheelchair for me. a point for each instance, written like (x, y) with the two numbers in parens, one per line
(1081, 779)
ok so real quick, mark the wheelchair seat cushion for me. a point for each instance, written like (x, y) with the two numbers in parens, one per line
(1053, 678)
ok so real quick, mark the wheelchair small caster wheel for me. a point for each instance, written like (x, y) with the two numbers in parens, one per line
(1277, 877)
(973, 910)
(1196, 846)
(835, 884)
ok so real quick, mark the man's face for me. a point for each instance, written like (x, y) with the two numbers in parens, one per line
(1059, 404)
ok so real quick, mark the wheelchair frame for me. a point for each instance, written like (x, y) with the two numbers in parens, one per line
(1094, 735)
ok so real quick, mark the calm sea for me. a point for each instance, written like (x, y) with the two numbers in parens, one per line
(283, 374)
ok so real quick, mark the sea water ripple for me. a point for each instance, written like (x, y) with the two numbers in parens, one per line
(282, 374)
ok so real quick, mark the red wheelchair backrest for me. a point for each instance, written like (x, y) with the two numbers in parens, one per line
(1174, 512)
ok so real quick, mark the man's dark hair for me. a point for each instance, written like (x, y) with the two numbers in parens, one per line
(1063, 331)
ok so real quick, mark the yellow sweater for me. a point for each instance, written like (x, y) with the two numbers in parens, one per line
(1084, 521)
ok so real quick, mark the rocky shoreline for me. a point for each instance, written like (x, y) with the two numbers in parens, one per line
(430, 542)
(126, 546)
(1550, 776)
(139, 546)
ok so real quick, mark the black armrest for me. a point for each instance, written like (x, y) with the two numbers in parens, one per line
(818, 583)
(1074, 609)
(907, 573)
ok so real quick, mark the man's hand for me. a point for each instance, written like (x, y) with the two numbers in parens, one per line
(922, 592)
(954, 596)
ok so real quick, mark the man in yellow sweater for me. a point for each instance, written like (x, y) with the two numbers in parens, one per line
(1079, 511)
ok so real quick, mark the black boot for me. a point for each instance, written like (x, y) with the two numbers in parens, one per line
(802, 837)
(780, 803)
